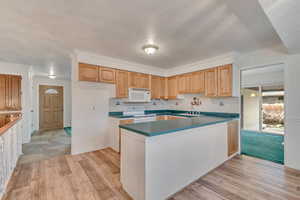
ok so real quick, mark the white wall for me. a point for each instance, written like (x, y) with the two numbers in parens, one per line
(229, 105)
(41, 80)
(25, 72)
(292, 112)
(264, 79)
(251, 109)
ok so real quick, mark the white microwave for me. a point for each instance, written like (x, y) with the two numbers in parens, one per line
(139, 95)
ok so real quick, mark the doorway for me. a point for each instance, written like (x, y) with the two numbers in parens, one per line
(51, 106)
(262, 113)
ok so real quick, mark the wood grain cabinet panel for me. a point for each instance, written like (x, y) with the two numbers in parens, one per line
(139, 80)
(121, 84)
(233, 137)
(197, 82)
(156, 89)
(10, 93)
(107, 75)
(172, 87)
(88, 72)
(164, 88)
(2, 92)
(184, 83)
(211, 82)
(15, 92)
(225, 81)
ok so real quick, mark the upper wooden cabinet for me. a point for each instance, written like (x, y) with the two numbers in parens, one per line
(88, 72)
(107, 75)
(172, 87)
(10, 93)
(184, 83)
(156, 89)
(139, 80)
(2, 92)
(225, 81)
(211, 82)
(164, 88)
(197, 82)
(121, 84)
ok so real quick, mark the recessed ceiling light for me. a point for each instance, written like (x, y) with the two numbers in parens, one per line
(150, 49)
(52, 76)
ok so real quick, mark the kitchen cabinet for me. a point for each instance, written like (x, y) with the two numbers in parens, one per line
(184, 83)
(139, 80)
(233, 137)
(10, 90)
(172, 87)
(121, 84)
(156, 89)
(164, 88)
(88, 72)
(225, 81)
(197, 82)
(211, 82)
(2, 92)
(107, 75)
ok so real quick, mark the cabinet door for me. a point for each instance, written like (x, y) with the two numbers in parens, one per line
(121, 84)
(225, 81)
(107, 75)
(2, 92)
(197, 82)
(133, 79)
(123, 122)
(144, 81)
(233, 137)
(15, 92)
(155, 87)
(211, 82)
(88, 72)
(164, 88)
(172, 87)
(182, 84)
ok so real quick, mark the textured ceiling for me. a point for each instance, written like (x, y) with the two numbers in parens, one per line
(285, 15)
(43, 33)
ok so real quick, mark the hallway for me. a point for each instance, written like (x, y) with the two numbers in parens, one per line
(45, 145)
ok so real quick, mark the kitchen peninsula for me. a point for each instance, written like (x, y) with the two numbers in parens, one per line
(159, 158)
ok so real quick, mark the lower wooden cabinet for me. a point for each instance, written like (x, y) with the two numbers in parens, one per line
(121, 84)
(233, 137)
(10, 92)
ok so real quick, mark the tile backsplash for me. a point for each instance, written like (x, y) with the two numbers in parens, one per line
(230, 105)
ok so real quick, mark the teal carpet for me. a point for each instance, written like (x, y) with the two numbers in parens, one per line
(266, 146)
(68, 131)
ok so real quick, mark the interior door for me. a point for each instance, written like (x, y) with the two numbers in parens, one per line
(51, 107)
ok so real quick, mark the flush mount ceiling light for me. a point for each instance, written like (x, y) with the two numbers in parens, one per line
(52, 76)
(150, 49)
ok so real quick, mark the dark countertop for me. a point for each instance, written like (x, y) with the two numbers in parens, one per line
(168, 126)
(175, 113)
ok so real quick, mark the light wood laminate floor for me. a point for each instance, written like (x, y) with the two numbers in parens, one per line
(95, 176)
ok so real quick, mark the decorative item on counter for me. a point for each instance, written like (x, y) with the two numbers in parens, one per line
(196, 101)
